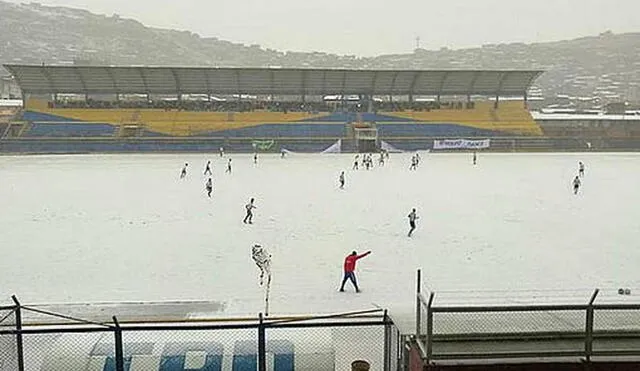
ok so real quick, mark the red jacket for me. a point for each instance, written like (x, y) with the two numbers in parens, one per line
(350, 261)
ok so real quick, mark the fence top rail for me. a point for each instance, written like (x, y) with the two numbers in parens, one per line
(508, 308)
(616, 307)
(185, 327)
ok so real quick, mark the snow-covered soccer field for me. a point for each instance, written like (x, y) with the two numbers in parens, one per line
(125, 228)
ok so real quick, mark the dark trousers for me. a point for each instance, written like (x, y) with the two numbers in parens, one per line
(349, 276)
(248, 218)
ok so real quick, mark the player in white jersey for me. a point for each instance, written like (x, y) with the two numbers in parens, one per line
(263, 260)
(248, 218)
(581, 169)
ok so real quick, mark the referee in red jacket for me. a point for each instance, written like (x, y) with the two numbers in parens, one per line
(349, 269)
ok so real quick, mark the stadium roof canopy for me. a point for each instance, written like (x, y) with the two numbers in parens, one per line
(43, 79)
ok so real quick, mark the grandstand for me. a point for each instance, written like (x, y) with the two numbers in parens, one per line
(183, 109)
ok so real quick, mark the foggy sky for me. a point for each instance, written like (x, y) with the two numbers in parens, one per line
(372, 27)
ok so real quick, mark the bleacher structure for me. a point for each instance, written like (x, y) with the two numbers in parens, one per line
(49, 126)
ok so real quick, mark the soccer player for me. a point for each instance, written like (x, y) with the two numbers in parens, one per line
(255, 158)
(341, 180)
(475, 158)
(581, 169)
(263, 260)
(208, 168)
(221, 152)
(412, 221)
(576, 184)
(350, 268)
(229, 166)
(209, 187)
(249, 217)
(183, 173)
(355, 162)
(414, 163)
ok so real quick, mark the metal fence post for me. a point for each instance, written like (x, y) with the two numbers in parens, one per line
(418, 305)
(588, 341)
(429, 328)
(118, 345)
(262, 345)
(387, 342)
(19, 340)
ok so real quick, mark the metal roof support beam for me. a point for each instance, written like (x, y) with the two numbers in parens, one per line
(47, 76)
(499, 90)
(412, 87)
(471, 86)
(272, 81)
(144, 82)
(239, 92)
(113, 82)
(374, 80)
(393, 85)
(473, 81)
(82, 82)
(372, 90)
(324, 84)
(445, 75)
(344, 83)
(303, 85)
(207, 83)
(177, 82)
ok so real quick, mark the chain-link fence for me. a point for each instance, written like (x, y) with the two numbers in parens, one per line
(54, 342)
(8, 340)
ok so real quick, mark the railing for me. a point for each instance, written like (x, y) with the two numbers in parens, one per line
(331, 342)
(582, 332)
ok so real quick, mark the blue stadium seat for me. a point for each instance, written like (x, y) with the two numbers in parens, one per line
(433, 130)
(45, 130)
(285, 130)
(44, 117)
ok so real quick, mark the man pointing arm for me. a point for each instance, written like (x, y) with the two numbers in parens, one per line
(350, 268)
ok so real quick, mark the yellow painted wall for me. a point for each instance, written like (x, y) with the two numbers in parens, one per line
(180, 123)
(509, 117)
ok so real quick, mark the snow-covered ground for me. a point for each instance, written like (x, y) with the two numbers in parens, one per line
(125, 228)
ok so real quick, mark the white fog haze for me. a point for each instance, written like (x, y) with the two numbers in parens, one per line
(372, 27)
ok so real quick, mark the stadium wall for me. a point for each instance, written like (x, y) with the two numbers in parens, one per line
(511, 128)
(509, 120)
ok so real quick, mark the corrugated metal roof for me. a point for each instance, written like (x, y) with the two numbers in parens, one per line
(43, 79)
